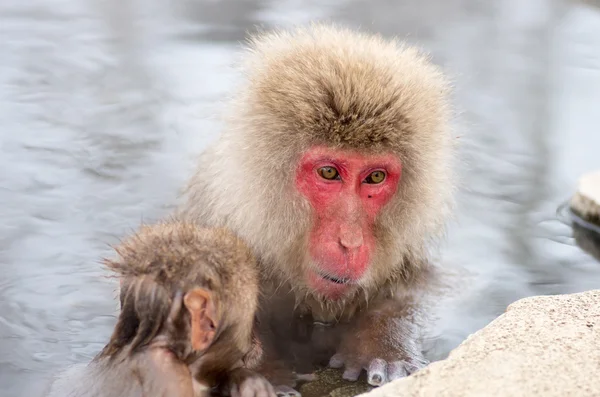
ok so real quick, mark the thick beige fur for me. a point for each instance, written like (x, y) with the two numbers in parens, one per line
(326, 85)
(165, 257)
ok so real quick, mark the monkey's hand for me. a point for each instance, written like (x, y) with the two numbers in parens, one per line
(386, 346)
(247, 383)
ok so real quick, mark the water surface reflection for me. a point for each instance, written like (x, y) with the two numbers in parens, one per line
(104, 103)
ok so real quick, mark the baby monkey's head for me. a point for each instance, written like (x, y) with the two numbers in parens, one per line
(183, 287)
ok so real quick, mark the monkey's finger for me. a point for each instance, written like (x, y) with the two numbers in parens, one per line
(352, 373)
(286, 391)
(397, 370)
(252, 387)
(246, 390)
(416, 363)
(336, 361)
(412, 367)
(269, 389)
(264, 389)
(235, 391)
(376, 372)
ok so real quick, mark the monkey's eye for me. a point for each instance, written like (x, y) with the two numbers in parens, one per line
(329, 173)
(375, 177)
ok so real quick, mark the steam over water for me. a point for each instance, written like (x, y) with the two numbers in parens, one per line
(103, 105)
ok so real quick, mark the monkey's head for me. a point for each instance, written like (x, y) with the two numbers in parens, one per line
(336, 163)
(186, 284)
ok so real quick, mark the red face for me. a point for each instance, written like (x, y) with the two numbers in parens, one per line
(346, 190)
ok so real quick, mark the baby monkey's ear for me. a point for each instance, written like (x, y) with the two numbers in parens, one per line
(201, 306)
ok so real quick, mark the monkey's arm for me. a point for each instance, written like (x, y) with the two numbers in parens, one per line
(383, 340)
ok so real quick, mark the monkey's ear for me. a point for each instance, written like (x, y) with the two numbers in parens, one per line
(201, 306)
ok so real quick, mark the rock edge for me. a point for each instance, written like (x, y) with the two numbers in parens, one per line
(544, 345)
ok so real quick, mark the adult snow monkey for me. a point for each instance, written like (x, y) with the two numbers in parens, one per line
(335, 167)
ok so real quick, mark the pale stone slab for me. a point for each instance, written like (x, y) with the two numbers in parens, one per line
(542, 346)
(589, 186)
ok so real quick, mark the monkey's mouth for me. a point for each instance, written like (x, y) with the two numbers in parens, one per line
(335, 280)
(330, 286)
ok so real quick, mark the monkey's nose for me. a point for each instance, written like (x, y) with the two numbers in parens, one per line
(351, 237)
